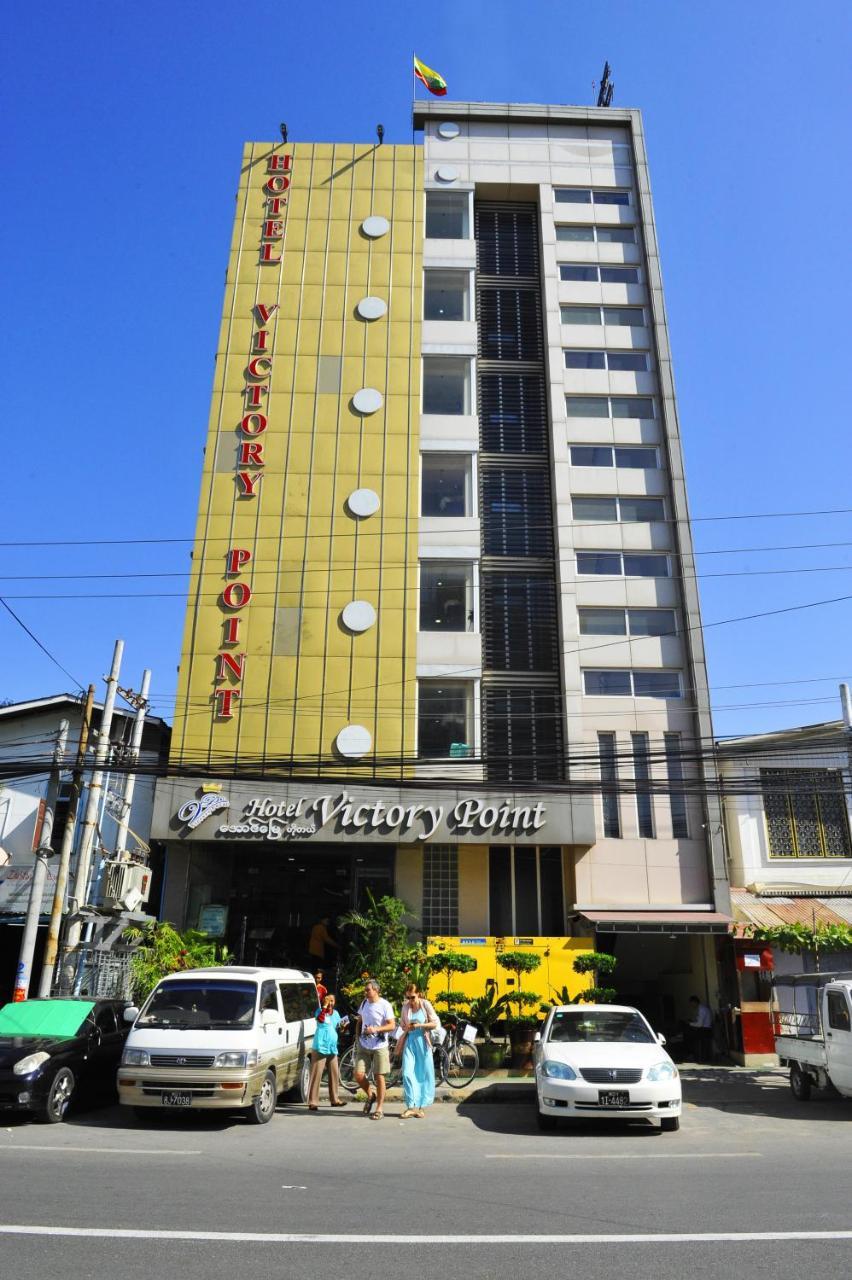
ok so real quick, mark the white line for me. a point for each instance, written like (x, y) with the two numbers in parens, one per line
(615, 1155)
(275, 1237)
(100, 1151)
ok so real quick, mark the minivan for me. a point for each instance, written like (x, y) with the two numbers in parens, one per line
(225, 1037)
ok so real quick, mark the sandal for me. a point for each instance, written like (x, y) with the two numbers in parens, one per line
(313, 1108)
(368, 1105)
(377, 1115)
(407, 1113)
(338, 1104)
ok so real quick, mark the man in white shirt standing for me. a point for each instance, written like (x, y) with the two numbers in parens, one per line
(702, 1029)
(377, 1020)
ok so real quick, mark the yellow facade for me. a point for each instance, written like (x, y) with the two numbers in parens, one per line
(555, 971)
(287, 423)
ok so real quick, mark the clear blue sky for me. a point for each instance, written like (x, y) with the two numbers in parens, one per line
(127, 127)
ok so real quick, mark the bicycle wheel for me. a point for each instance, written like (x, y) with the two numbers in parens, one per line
(442, 1063)
(346, 1067)
(463, 1064)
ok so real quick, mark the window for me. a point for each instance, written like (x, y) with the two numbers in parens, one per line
(628, 510)
(613, 683)
(446, 596)
(444, 718)
(523, 732)
(620, 317)
(631, 564)
(609, 406)
(446, 295)
(609, 786)
(299, 1000)
(518, 621)
(440, 911)
(105, 1020)
(634, 457)
(446, 385)
(447, 215)
(622, 622)
(604, 235)
(616, 361)
(589, 271)
(509, 322)
(525, 892)
(642, 779)
(268, 996)
(805, 813)
(513, 413)
(677, 798)
(513, 501)
(446, 485)
(578, 195)
(838, 1011)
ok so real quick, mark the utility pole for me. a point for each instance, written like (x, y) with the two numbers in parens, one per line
(42, 853)
(140, 702)
(90, 820)
(51, 946)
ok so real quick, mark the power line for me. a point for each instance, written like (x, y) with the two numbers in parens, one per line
(36, 640)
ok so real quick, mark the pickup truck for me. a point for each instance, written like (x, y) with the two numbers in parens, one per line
(812, 1015)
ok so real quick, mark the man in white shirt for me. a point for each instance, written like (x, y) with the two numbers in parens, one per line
(377, 1019)
(702, 1030)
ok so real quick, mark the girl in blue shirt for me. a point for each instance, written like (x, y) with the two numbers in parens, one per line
(324, 1052)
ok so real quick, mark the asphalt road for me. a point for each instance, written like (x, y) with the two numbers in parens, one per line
(753, 1182)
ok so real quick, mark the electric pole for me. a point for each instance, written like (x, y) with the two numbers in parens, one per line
(42, 853)
(90, 820)
(140, 702)
(51, 946)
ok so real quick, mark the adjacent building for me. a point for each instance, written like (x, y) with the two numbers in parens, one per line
(443, 634)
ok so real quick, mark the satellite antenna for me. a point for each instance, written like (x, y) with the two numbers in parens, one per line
(606, 88)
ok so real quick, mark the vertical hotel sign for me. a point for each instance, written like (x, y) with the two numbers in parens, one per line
(231, 660)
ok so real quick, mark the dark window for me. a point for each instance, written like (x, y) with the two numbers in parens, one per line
(523, 733)
(610, 684)
(612, 197)
(586, 272)
(805, 813)
(605, 563)
(642, 777)
(598, 510)
(509, 324)
(575, 233)
(446, 485)
(581, 315)
(446, 385)
(609, 785)
(516, 512)
(526, 891)
(535, 875)
(627, 361)
(445, 295)
(656, 684)
(500, 892)
(571, 195)
(447, 216)
(443, 719)
(299, 1000)
(602, 622)
(268, 996)
(585, 360)
(587, 406)
(105, 1020)
(552, 898)
(651, 622)
(624, 317)
(632, 407)
(519, 611)
(677, 798)
(617, 235)
(641, 510)
(838, 1011)
(513, 413)
(591, 455)
(446, 597)
(638, 565)
(619, 275)
(638, 458)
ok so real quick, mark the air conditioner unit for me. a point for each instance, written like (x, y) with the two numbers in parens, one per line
(126, 886)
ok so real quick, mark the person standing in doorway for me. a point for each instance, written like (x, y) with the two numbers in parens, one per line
(319, 940)
(418, 1020)
(376, 1020)
(701, 1027)
(324, 1054)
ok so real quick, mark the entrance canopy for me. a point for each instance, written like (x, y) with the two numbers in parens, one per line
(657, 921)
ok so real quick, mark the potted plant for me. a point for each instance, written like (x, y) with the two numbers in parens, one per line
(599, 964)
(485, 1011)
(522, 1023)
(450, 963)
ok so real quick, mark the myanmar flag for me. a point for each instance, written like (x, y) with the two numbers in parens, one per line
(434, 83)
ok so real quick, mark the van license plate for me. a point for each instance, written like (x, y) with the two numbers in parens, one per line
(613, 1098)
(174, 1099)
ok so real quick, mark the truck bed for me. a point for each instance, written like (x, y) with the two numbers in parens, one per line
(807, 1049)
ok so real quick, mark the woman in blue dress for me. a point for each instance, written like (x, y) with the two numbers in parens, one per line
(417, 1019)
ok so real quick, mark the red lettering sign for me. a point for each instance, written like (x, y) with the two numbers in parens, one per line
(251, 454)
(250, 483)
(231, 663)
(232, 630)
(254, 424)
(224, 699)
(236, 595)
(237, 557)
(278, 161)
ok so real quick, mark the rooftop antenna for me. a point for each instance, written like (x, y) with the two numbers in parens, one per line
(380, 133)
(283, 129)
(606, 88)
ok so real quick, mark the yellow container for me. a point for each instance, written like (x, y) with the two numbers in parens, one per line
(554, 972)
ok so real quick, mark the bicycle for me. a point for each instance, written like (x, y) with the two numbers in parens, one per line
(456, 1062)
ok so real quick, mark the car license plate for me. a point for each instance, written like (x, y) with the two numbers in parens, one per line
(613, 1097)
(174, 1099)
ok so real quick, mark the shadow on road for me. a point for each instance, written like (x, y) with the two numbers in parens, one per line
(759, 1092)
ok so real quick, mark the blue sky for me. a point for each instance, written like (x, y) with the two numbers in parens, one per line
(120, 173)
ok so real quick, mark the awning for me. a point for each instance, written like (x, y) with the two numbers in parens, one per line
(769, 912)
(658, 921)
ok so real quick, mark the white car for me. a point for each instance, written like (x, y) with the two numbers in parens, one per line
(603, 1060)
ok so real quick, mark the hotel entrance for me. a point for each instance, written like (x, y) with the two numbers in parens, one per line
(262, 900)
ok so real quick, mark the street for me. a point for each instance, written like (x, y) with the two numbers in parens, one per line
(752, 1181)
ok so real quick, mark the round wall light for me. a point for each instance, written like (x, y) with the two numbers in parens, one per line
(359, 615)
(353, 741)
(371, 308)
(375, 226)
(448, 129)
(447, 173)
(363, 502)
(368, 400)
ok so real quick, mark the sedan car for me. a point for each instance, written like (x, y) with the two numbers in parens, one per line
(53, 1050)
(603, 1060)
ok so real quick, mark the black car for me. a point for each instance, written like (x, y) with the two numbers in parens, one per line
(54, 1050)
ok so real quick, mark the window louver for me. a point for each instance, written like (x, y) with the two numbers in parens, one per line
(507, 240)
(509, 324)
(523, 734)
(516, 516)
(519, 611)
(513, 413)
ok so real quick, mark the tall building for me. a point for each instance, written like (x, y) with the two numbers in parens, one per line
(443, 609)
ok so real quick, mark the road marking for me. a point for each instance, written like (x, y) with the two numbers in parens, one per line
(625, 1155)
(99, 1151)
(295, 1186)
(276, 1237)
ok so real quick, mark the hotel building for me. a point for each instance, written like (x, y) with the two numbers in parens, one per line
(443, 633)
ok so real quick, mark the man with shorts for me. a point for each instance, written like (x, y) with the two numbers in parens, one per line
(377, 1019)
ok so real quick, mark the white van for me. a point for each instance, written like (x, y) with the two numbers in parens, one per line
(220, 1038)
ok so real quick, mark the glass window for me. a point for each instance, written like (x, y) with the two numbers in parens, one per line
(610, 684)
(602, 622)
(446, 596)
(580, 1026)
(446, 484)
(447, 215)
(580, 315)
(585, 360)
(624, 317)
(838, 1011)
(587, 406)
(619, 275)
(616, 235)
(636, 457)
(445, 295)
(805, 813)
(105, 1020)
(632, 407)
(612, 197)
(591, 455)
(656, 684)
(200, 1002)
(627, 361)
(642, 778)
(268, 996)
(575, 233)
(571, 195)
(444, 721)
(606, 563)
(576, 271)
(677, 798)
(525, 892)
(651, 622)
(446, 385)
(595, 508)
(299, 1000)
(641, 510)
(500, 891)
(609, 785)
(639, 565)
